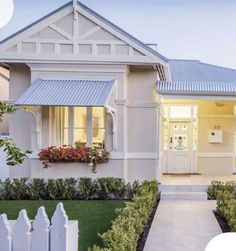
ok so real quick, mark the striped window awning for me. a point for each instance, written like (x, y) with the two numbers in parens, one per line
(196, 88)
(68, 92)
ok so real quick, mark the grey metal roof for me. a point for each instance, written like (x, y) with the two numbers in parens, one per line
(193, 77)
(67, 92)
(115, 27)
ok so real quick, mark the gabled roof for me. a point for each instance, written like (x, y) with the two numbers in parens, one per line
(101, 18)
(192, 77)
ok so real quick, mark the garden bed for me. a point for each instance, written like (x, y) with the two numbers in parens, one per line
(143, 237)
(222, 222)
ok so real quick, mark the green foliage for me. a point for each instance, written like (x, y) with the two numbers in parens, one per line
(130, 223)
(38, 189)
(225, 194)
(86, 187)
(217, 186)
(67, 189)
(15, 156)
(110, 185)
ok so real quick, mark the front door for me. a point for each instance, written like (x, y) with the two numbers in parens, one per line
(180, 147)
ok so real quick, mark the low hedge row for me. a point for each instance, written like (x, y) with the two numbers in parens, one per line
(67, 189)
(225, 194)
(131, 220)
(219, 186)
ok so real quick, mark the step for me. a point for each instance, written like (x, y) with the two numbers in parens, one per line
(183, 188)
(184, 196)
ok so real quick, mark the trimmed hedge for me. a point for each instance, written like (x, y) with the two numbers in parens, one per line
(225, 194)
(67, 189)
(131, 220)
(219, 186)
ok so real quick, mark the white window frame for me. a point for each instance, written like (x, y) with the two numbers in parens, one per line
(89, 126)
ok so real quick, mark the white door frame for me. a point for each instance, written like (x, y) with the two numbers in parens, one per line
(190, 144)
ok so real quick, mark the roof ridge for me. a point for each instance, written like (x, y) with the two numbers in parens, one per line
(191, 60)
(218, 66)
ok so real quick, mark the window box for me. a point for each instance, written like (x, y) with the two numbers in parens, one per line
(77, 153)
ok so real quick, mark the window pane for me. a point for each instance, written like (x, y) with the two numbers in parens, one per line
(61, 125)
(80, 136)
(98, 124)
(180, 112)
(80, 125)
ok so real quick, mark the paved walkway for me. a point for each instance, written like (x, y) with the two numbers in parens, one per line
(182, 226)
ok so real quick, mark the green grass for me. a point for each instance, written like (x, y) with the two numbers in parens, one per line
(93, 216)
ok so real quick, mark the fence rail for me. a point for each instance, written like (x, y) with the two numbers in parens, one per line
(39, 235)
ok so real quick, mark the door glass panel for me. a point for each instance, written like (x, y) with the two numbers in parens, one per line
(180, 142)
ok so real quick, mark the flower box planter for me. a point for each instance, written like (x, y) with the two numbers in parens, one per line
(72, 154)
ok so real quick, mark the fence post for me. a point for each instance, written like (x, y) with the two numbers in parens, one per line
(40, 234)
(21, 233)
(5, 234)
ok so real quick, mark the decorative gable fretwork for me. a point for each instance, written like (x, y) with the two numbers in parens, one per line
(74, 35)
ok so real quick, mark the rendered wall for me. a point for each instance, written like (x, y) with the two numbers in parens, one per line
(4, 94)
(20, 123)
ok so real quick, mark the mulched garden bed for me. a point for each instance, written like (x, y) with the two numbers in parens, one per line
(222, 222)
(144, 235)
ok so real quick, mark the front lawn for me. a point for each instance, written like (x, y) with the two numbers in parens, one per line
(93, 216)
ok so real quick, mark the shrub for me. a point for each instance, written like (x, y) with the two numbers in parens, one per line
(77, 153)
(226, 203)
(86, 187)
(217, 186)
(130, 223)
(67, 189)
(38, 189)
(110, 185)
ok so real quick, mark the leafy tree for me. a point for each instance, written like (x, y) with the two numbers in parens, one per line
(15, 156)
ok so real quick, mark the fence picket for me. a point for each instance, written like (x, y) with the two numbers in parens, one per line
(5, 234)
(21, 233)
(58, 229)
(40, 234)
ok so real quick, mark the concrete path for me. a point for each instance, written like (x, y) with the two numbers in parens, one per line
(182, 226)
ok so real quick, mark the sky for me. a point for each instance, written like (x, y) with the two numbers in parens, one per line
(182, 29)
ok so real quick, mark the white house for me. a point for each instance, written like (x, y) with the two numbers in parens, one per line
(78, 77)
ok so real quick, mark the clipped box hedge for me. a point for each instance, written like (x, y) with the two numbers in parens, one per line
(131, 220)
(67, 189)
(225, 194)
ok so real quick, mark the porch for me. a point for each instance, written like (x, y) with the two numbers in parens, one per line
(194, 179)
(197, 139)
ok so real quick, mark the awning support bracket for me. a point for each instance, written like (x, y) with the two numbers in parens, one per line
(110, 110)
(36, 112)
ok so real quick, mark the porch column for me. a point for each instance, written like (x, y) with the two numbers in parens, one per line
(158, 167)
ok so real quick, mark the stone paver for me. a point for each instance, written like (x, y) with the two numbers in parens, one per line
(182, 226)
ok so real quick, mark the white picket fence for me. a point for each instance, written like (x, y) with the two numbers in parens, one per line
(38, 235)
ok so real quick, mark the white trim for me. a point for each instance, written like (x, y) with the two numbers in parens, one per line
(234, 170)
(206, 97)
(78, 68)
(141, 155)
(215, 155)
(60, 31)
(90, 32)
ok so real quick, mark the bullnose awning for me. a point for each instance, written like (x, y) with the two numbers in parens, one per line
(196, 88)
(68, 92)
